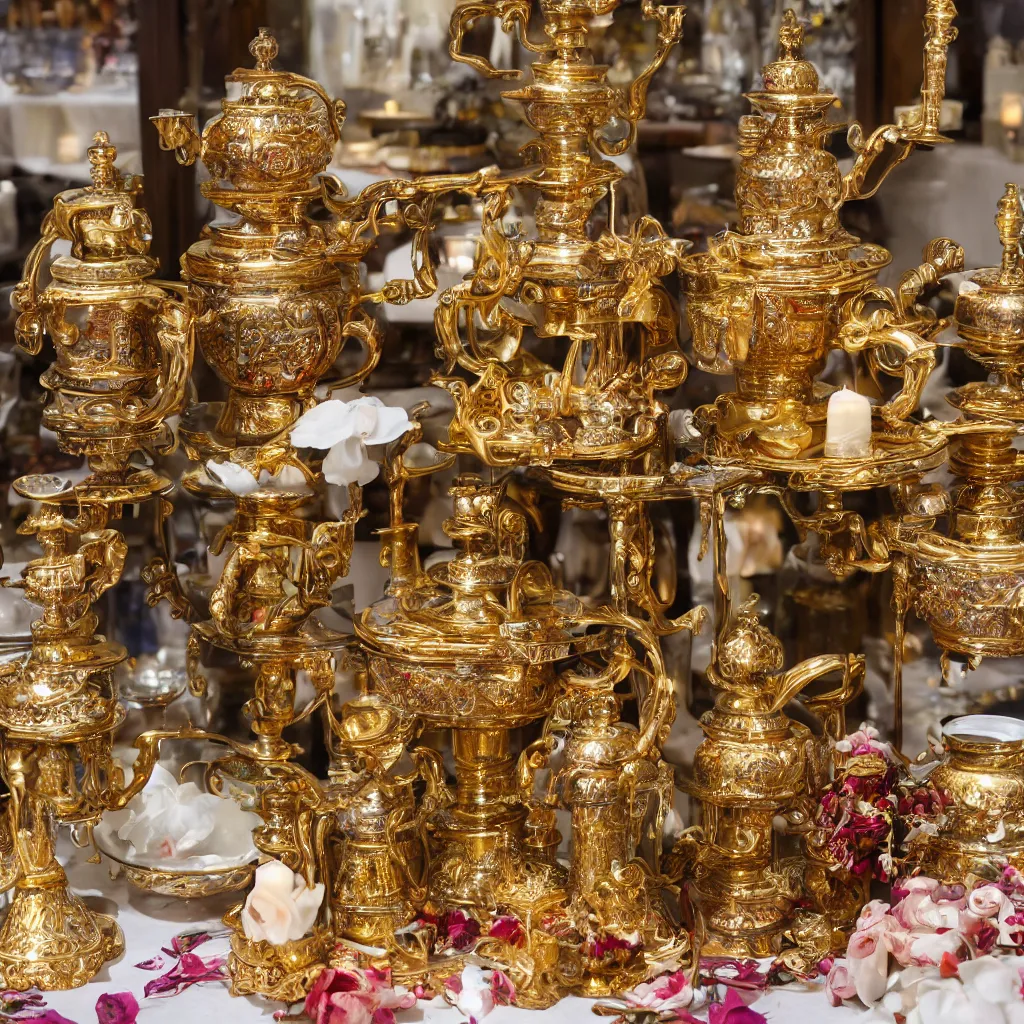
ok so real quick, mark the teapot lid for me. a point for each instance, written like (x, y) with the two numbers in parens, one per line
(748, 653)
(990, 306)
(263, 86)
(791, 82)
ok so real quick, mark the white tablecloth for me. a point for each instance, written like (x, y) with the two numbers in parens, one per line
(150, 922)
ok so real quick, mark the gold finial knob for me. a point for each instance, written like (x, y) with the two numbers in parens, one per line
(748, 652)
(264, 49)
(102, 157)
(791, 37)
(1010, 223)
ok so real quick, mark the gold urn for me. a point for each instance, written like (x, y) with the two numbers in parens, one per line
(981, 779)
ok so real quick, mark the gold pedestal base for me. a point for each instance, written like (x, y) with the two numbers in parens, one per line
(280, 973)
(51, 940)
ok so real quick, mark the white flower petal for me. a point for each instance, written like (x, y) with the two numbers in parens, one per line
(237, 479)
(325, 425)
(392, 423)
(348, 463)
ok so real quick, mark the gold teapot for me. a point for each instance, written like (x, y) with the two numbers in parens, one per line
(275, 136)
(981, 779)
(755, 764)
(269, 305)
(380, 841)
(122, 342)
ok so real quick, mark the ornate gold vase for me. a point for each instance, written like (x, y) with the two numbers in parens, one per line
(982, 776)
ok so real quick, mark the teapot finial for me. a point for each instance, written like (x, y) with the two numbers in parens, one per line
(1010, 222)
(748, 653)
(102, 157)
(791, 37)
(264, 48)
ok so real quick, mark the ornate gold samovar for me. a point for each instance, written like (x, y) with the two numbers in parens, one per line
(57, 708)
(755, 764)
(618, 792)
(771, 298)
(276, 294)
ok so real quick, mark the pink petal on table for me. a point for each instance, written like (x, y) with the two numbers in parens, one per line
(154, 963)
(734, 1011)
(117, 1008)
(189, 970)
(16, 1002)
(186, 942)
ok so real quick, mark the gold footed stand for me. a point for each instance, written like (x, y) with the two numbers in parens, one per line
(66, 954)
(482, 859)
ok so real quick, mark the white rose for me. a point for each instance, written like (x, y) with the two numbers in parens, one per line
(346, 429)
(167, 819)
(280, 908)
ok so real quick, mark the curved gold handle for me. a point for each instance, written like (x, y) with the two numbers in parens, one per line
(364, 329)
(29, 329)
(633, 104)
(532, 581)
(179, 135)
(881, 331)
(830, 707)
(337, 110)
(802, 675)
(175, 333)
(513, 15)
(658, 711)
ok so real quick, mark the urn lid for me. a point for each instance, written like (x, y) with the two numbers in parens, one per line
(276, 131)
(748, 654)
(791, 82)
(990, 306)
(103, 221)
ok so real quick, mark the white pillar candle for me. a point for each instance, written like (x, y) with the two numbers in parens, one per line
(848, 433)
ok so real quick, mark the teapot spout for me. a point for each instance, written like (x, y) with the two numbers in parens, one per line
(802, 675)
